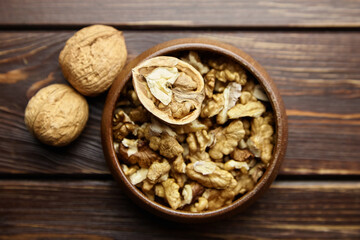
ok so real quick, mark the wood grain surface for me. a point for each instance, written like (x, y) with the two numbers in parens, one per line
(99, 210)
(188, 14)
(317, 74)
(310, 48)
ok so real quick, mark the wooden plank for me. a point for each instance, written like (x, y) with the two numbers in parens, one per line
(189, 14)
(317, 74)
(99, 210)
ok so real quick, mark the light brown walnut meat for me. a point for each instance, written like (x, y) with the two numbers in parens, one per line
(156, 129)
(144, 156)
(260, 142)
(241, 155)
(181, 138)
(181, 109)
(191, 141)
(210, 83)
(154, 143)
(208, 123)
(247, 97)
(220, 103)
(93, 58)
(122, 125)
(219, 86)
(159, 190)
(217, 178)
(194, 60)
(200, 140)
(197, 190)
(198, 156)
(232, 164)
(131, 145)
(256, 91)
(257, 171)
(204, 167)
(139, 115)
(149, 194)
(213, 106)
(129, 170)
(170, 147)
(139, 176)
(171, 192)
(157, 170)
(56, 115)
(244, 184)
(179, 165)
(143, 131)
(191, 192)
(180, 178)
(185, 82)
(147, 186)
(251, 109)
(187, 195)
(250, 85)
(228, 71)
(249, 106)
(194, 126)
(167, 145)
(231, 94)
(170, 89)
(220, 198)
(200, 206)
(133, 97)
(186, 150)
(246, 125)
(227, 139)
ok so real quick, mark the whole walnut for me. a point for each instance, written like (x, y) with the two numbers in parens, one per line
(56, 115)
(93, 58)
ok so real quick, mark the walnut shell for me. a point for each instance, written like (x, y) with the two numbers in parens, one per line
(180, 89)
(93, 58)
(56, 115)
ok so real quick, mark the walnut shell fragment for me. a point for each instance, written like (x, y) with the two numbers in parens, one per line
(170, 89)
(56, 115)
(93, 58)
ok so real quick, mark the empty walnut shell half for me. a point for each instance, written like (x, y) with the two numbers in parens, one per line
(170, 89)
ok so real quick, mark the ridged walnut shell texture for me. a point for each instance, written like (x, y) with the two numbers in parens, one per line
(56, 115)
(93, 58)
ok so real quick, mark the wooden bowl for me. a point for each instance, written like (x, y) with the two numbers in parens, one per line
(254, 68)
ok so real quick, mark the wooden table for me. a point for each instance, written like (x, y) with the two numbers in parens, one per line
(310, 48)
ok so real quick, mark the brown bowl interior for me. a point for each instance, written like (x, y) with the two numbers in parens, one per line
(205, 45)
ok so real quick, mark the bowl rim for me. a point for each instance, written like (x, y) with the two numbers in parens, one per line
(254, 68)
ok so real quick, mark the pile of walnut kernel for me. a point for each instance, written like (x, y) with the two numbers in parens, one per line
(210, 162)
